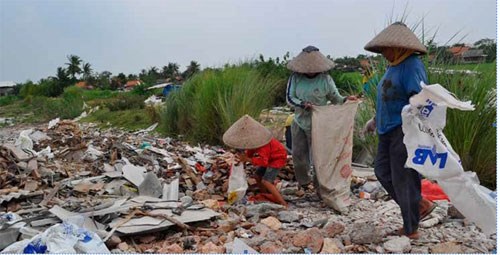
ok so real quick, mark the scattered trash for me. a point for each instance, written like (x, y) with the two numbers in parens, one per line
(121, 186)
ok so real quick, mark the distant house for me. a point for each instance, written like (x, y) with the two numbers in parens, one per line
(131, 84)
(474, 56)
(84, 85)
(467, 55)
(6, 87)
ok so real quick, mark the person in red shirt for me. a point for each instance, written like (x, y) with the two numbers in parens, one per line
(261, 149)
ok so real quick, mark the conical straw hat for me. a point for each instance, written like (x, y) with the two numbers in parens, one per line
(397, 35)
(310, 60)
(247, 133)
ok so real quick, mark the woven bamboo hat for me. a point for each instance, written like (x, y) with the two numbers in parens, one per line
(247, 133)
(397, 35)
(310, 60)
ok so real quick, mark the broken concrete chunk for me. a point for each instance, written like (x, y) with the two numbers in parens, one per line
(365, 233)
(134, 174)
(262, 209)
(330, 246)
(398, 245)
(333, 228)
(311, 238)
(212, 248)
(271, 247)
(150, 186)
(171, 249)
(272, 223)
(447, 247)
(18, 154)
(288, 216)
(240, 247)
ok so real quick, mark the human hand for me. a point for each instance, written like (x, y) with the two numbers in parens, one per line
(370, 126)
(243, 157)
(352, 98)
(308, 105)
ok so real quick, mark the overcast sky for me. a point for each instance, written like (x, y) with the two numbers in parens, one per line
(127, 36)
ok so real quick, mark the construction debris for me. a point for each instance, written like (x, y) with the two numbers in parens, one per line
(139, 193)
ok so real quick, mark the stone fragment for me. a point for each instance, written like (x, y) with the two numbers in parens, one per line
(288, 216)
(272, 223)
(333, 228)
(262, 209)
(365, 233)
(212, 248)
(173, 248)
(398, 245)
(271, 247)
(330, 246)
(311, 238)
(211, 203)
(123, 246)
(447, 247)
(419, 250)
(113, 241)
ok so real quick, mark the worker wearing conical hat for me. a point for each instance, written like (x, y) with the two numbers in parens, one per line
(401, 48)
(261, 149)
(310, 85)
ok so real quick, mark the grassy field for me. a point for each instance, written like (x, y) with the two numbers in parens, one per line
(485, 67)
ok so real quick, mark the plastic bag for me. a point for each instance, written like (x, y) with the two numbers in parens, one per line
(430, 154)
(472, 200)
(61, 238)
(237, 184)
(24, 141)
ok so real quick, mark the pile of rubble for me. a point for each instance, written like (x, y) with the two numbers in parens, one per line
(141, 193)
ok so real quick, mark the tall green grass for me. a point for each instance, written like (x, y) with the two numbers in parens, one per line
(471, 134)
(212, 100)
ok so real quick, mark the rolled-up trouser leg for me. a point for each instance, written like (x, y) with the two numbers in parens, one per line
(300, 154)
(406, 182)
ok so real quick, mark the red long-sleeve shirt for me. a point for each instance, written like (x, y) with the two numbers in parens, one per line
(272, 155)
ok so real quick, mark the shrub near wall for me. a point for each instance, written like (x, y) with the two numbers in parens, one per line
(211, 101)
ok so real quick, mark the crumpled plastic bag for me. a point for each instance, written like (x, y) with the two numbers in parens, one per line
(92, 153)
(24, 141)
(237, 184)
(61, 238)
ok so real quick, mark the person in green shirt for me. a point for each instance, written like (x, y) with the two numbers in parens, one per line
(310, 85)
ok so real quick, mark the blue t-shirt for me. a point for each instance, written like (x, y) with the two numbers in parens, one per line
(394, 90)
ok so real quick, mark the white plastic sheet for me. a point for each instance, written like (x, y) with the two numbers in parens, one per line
(431, 154)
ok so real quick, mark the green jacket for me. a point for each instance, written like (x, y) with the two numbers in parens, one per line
(319, 91)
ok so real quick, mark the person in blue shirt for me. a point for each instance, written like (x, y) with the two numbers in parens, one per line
(399, 45)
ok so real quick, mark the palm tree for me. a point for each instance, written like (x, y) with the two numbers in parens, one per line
(74, 66)
(170, 71)
(87, 71)
(61, 75)
(191, 69)
(153, 71)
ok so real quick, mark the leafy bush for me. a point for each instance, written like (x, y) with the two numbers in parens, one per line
(6, 100)
(68, 106)
(212, 100)
(94, 94)
(125, 101)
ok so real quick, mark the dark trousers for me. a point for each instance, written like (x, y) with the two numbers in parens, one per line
(402, 184)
